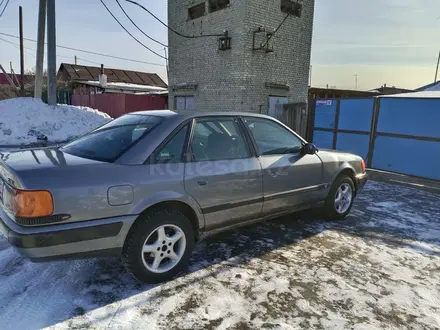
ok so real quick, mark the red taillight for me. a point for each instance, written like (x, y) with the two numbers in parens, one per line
(363, 166)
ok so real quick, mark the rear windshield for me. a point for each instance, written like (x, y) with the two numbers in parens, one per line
(108, 142)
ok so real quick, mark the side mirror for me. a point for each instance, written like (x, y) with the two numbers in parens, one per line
(310, 149)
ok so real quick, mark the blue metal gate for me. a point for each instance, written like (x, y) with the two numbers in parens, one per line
(407, 137)
(344, 125)
(393, 134)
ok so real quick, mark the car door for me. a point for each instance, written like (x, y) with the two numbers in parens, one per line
(290, 177)
(223, 175)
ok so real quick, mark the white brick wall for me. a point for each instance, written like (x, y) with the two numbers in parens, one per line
(234, 80)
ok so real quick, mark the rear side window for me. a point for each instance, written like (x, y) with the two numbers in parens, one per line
(108, 142)
(172, 152)
(218, 139)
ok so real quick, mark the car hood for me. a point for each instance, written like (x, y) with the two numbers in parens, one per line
(338, 153)
(42, 158)
(330, 155)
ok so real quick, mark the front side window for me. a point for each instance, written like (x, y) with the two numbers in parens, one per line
(172, 152)
(108, 142)
(218, 139)
(272, 138)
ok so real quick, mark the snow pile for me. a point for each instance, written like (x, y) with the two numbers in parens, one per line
(22, 120)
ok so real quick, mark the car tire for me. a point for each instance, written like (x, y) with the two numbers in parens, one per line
(170, 234)
(340, 198)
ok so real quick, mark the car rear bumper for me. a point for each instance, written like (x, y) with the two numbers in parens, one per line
(361, 180)
(76, 240)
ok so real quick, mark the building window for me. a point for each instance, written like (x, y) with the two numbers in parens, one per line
(196, 11)
(185, 102)
(215, 5)
(292, 7)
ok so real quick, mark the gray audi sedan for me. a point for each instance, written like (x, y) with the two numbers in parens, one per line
(149, 185)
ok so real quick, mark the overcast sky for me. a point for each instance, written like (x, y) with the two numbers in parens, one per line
(382, 41)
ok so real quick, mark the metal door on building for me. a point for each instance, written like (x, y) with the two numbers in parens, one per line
(276, 106)
(185, 102)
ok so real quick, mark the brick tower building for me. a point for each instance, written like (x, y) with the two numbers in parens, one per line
(243, 65)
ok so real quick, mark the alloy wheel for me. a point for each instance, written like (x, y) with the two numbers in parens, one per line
(343, 199)
(163, 248)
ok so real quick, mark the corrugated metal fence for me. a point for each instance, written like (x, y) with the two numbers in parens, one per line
(118, 104)
(393, 134)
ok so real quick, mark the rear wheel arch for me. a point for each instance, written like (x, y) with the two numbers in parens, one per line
(153, 223)
(180, 206)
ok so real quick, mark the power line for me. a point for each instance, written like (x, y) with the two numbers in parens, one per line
(160, 43)
(4, 8)
(87, 61)
(88, 52)
(18, 46)
(10, 42)
(33, 49)
(276, 30)
(171, 29)
(122, 26)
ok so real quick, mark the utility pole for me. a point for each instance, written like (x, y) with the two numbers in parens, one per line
(166, 63)
(8, 78)
(310, 76)
(355, 81)
(20, 19)
(51, 54)
(13, 75)
(436, 71)
(40, 49)
(76, 60)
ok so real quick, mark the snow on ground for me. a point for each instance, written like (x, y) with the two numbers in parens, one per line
(22, 120)
(378, 269)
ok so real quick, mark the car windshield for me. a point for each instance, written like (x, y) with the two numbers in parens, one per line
(108, 142)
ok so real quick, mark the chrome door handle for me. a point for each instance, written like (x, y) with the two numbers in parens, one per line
(202, 182)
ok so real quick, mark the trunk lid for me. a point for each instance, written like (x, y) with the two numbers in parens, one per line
(13, 165)
(43, 158)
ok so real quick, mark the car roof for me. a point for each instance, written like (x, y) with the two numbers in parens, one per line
(188, 114)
